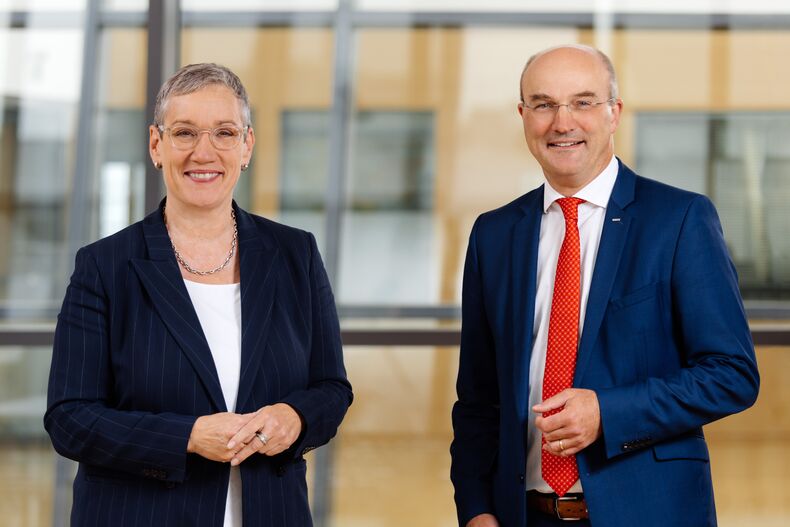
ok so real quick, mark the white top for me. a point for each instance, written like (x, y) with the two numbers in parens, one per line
(218, 308)
(552, 232)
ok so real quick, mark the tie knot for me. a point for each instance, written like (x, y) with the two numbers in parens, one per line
(570, 207)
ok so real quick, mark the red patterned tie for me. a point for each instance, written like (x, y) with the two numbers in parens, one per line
(562, 472)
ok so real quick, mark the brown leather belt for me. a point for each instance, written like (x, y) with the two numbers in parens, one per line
(569, 507)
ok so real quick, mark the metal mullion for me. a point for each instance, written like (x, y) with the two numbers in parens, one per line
(164, 37)
(258, 19)
(582, 19)
(78, 206)
(339, 139)
(467, 18)
(79, 211)
(42, 19)
(123, 19)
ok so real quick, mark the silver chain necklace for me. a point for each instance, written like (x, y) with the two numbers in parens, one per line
(222, 266)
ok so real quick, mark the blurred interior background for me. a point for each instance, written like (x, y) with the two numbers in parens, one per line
(385, 127)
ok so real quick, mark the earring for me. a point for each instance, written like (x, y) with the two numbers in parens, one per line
(245, 166)
(158, 165)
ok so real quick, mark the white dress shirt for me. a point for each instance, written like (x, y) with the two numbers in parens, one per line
(218, 307)
(552, 232)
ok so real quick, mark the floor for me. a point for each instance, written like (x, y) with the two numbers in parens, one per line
(391, 458)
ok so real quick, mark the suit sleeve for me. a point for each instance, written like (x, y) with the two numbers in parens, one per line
(323, 404)
(719, 373)
(476, 413)
(80, 417)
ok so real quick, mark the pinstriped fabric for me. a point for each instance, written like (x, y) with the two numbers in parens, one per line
(131, 371)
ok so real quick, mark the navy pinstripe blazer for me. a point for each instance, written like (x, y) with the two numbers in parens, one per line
(132, 371)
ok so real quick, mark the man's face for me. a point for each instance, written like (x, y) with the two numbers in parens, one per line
(572, 146)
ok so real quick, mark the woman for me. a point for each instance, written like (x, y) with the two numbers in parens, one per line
(197, 354)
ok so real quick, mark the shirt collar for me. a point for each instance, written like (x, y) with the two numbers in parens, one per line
(596, 192)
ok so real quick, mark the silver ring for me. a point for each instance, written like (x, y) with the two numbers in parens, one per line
(561, 447)
(263, 438)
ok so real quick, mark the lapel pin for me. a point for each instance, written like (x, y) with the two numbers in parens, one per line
(615, 219)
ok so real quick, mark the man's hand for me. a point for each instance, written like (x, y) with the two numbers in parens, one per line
(210, 435)
(483, 520)
(573, 428)
(278, 423)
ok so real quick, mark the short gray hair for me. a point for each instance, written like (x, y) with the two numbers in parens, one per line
(194, 77)
(614, 91)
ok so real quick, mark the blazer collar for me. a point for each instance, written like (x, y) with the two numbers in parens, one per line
(610, 250)
(258, 259)
(526, 235)
(524, 276)
(162, 280)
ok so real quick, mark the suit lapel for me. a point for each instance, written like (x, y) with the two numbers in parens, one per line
(258, 288)
(610, 251)
(162, 280)
(524, 269)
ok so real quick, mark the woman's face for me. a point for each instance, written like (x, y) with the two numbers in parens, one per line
(201, 176)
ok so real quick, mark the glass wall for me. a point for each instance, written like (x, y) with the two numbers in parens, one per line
(40, 89)
(385, 128)
(56, 195)
(27, 464)
(287, 73)
(746, 173)
(392, 457)
(121, 136)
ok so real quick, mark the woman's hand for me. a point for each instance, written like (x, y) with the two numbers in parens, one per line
(483, 520)
(278, 424)
(210, 435)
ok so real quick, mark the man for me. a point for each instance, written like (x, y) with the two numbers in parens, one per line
(602, 328)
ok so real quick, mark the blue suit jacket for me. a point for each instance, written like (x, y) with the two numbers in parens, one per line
(665, 345)
(131, 371)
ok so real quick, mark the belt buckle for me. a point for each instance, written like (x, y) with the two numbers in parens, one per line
(557, 501)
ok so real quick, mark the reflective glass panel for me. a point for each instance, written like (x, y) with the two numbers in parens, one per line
(27, 460)
(741, 162)
(579, 6)
(284, 70)
(393, 447)
(403, 397)
(390, 197)
(121, 137)
(461, 151)
(125, 5)
(42, 5)
(39, 90)
(258, 5)
(467, 80)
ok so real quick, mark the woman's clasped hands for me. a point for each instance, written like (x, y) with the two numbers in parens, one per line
(230, 437)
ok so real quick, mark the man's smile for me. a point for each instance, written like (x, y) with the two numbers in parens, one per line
(565, 144)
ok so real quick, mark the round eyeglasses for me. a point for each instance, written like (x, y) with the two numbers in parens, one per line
(579, 106)
(184, 137)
